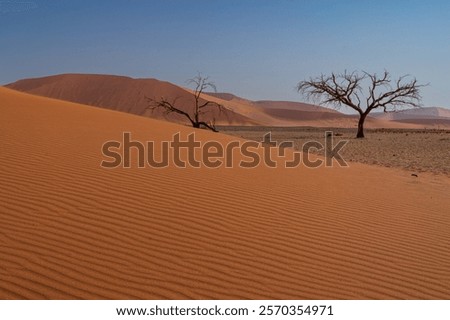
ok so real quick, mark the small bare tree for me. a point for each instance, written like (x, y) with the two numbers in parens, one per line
(348, 89)
(197, 116)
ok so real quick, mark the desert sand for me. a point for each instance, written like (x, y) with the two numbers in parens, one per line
(73, 230)
(413, 150)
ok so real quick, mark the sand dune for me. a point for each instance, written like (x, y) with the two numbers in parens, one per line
(429, 117)
(295, 106)
(278, 113)
(119, 93)
(71, 229)
(288, 113)
(415, 113)
(292, 117)
(129, 95)
(428, 123)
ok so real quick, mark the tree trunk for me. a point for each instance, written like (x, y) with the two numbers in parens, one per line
(360, 133)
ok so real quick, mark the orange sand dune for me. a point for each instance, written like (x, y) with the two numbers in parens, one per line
(120, 93)
(129, 95)
(71, 229)
(288, 113)
(277, 113)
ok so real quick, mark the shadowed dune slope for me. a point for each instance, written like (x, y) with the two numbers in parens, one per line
(297, 106)
(71, 229)
(120, 93)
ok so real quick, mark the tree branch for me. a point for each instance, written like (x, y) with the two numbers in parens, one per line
(200, 108)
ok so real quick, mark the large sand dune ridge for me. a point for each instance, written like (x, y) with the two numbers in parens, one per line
(71, 229)
(130, 95)
(122, 94)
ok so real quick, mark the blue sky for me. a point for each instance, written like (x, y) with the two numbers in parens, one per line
(254, 48)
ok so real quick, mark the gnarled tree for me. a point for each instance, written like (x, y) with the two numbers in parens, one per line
(196, 115)
(362, 92)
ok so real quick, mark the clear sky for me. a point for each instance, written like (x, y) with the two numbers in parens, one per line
(256, 49)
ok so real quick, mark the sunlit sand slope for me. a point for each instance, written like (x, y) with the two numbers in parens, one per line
(71, 229)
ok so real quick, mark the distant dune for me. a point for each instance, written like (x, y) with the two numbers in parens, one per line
(129, 95)
(427, 123)
(119, 93)
(297, 106)
(73, 230)
(277, 112)
(431, 117)
(288, 113)
(413, 114)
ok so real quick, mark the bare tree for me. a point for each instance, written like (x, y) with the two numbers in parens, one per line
(362, 92)
(197, 116)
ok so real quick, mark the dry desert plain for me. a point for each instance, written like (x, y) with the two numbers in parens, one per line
(413, 150)
(71, 229)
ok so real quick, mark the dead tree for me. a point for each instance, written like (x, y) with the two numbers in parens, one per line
(362, 92)
(202, 106)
